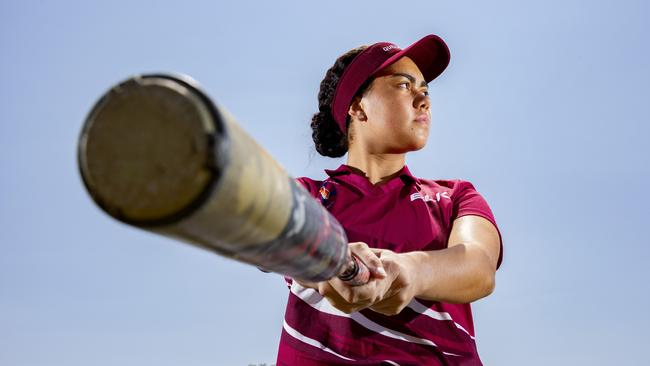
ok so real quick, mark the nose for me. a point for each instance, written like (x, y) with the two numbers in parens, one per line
(422, 101)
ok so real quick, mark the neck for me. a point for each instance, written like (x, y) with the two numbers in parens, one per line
(378, 168)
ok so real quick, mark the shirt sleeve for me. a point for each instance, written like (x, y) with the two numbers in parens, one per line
(309, 184)
(467, 201)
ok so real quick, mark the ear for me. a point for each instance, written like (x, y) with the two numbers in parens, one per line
(356, 110)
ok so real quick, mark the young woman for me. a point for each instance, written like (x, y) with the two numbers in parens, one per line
(432, 245)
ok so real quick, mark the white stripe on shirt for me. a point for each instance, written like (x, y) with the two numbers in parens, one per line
(316, 301)
(310, 341)
(420, 308)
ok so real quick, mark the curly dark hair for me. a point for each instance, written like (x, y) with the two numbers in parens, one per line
(328, 137)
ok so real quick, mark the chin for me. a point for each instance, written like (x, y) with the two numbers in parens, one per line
(418, 145)
(413, 147)
(406, 145)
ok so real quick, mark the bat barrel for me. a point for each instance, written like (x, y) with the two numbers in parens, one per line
(156, 153)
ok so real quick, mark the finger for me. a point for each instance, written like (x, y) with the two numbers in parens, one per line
(370, 259)
(362, 295)
(337, 300)
(377, 251)
(388, 306)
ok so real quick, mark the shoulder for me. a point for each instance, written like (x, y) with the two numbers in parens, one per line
(451, 187)
(311, 185)
(462, 197)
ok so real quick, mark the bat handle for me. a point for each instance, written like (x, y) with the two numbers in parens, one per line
(355, 273)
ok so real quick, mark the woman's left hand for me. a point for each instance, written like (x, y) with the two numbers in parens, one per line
(400, 285)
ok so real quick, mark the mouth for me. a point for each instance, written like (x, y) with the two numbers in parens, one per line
(423, 118)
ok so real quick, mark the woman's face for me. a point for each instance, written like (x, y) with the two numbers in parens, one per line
(396, 109)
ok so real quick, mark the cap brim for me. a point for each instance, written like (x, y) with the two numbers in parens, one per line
(430, 54)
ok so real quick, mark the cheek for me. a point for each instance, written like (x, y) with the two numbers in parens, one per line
(379, 104)
(388, 113)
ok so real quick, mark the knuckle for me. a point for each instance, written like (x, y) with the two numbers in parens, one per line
(359, 245)
(392, 265)
(323, 291)
(356, 296)
(361, 299)
(350, 297)
(392, 310)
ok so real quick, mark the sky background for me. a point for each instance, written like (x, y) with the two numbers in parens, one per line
(544, 107)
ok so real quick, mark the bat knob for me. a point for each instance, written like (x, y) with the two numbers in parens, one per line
(356, 273)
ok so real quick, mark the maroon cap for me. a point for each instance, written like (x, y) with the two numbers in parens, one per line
(430, 54)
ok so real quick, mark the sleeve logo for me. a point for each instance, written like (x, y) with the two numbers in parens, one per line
(427, 198)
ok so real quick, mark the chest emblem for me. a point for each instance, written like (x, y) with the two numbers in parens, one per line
(327, 194)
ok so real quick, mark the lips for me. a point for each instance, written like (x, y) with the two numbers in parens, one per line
(423, 118)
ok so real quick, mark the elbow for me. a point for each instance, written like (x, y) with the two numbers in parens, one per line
(485, 278)
(489, 284)
(484, 286)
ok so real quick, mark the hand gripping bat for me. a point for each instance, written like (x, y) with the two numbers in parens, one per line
(156, 153)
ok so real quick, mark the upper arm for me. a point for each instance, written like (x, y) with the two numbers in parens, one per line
(477, 232)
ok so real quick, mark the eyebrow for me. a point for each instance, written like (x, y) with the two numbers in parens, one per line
(410, 77)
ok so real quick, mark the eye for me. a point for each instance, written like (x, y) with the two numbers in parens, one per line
(405, 85)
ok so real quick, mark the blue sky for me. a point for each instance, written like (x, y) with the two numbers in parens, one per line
(544, 107)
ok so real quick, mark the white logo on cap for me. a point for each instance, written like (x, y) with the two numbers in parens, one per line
(388, 48)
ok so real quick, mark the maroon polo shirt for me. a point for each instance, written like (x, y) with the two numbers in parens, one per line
(403, 214)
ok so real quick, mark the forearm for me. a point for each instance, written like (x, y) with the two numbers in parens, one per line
(459, 274)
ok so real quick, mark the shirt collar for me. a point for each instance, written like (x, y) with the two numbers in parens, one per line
(405, 174)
